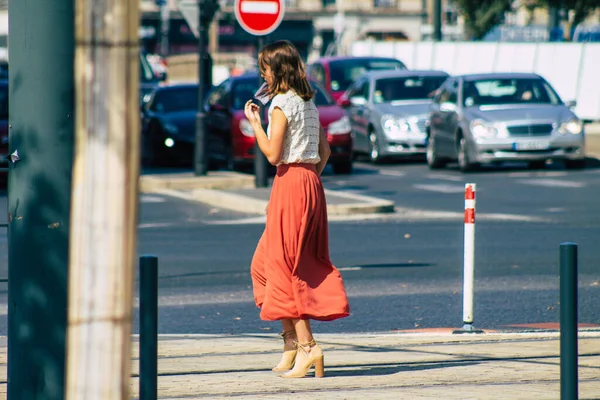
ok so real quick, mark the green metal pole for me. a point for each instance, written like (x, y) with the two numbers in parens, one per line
(41, 95)
(568, 321)
(437, 20)
(200, 149)
(148, 327)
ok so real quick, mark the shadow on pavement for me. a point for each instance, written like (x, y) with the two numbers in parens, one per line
(398, 265)
(390, 369)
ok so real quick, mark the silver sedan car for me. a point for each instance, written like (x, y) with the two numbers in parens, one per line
(498, 117)
(388, 111)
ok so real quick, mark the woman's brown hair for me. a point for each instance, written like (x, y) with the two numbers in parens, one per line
(287, 69)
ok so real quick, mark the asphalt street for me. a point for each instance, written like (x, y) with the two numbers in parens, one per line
(401, 271)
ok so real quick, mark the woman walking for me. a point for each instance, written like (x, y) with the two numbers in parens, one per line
(293, 278)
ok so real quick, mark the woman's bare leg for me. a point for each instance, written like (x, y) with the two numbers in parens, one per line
(287, 324)
(303, 330)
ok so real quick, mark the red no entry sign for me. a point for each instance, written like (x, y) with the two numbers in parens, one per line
(259, 17)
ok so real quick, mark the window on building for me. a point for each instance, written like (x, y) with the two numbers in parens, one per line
(385, 3)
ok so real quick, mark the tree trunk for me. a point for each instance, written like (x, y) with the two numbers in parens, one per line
(104, 199)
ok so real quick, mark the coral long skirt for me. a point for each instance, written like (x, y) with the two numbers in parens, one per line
(292, 275)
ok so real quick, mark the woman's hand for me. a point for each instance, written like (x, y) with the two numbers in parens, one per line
(252, 113)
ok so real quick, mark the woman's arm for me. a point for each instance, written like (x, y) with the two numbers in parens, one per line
(271, 147)
(324, 151)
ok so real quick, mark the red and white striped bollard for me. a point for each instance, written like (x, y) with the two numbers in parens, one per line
(469, 256)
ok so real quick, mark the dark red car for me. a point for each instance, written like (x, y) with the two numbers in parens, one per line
(226, 119)
(336, 74)
(3, 131)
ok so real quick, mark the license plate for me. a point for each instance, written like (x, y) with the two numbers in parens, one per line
(538, 145)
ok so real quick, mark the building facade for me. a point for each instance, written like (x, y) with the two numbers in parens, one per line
(316, 27)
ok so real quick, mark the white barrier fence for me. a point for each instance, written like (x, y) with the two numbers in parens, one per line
(572, 68)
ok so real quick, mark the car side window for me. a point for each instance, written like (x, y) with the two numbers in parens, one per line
(156, 104)
(364, 90)
(218, 95)
(225, 97)
(317, 72)
(448, 93)
(352, 90)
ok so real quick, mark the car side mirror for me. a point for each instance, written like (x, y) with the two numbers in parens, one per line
(162, 76)
(447, 107)
(344, 102)
(571, 104)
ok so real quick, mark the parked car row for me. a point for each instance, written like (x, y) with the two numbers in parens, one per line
(471, 119)
(169, 124)
(375, 106)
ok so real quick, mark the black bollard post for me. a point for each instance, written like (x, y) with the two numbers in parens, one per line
(148, 327)
(568, 322)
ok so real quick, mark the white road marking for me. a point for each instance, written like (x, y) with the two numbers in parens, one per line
(259, 7)
(146, 198)
(401, 214)
(392, 173)
(440, 188)
(155, 225)
(441, 177)
(538, 173)
(349, 268)
(552, 183)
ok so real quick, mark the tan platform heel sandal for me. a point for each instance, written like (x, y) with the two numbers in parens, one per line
(309, 354)
(289, 353)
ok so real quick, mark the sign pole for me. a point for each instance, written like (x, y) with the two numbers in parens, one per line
(259, 18)
(261, 165)
(206, 12)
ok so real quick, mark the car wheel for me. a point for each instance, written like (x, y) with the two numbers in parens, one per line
(153, 152)
(537, 164)
(342, 167)
(229, 162)
(433, 160)
(463, 157)
(374, 152)
(575, 164)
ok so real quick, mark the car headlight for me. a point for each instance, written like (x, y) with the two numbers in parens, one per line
(246, 128)
(573, 126)
(393, 126)
(171, 128)
(339, 127)
(481, 129)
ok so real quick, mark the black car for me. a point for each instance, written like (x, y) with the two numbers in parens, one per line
(169, 126)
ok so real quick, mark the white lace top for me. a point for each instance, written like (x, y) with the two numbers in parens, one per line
(301, 141)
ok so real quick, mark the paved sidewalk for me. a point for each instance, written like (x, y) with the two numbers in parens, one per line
(494, 365)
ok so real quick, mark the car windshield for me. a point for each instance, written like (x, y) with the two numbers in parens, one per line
(388, 90)
(344, 72)
(4, 102)
(509, 91)
(168, 100)
(244, 91)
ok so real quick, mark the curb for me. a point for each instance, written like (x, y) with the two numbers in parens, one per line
(247, 204)
(214, 180)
